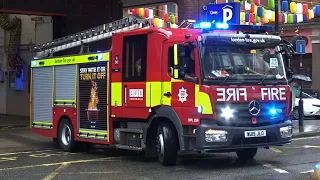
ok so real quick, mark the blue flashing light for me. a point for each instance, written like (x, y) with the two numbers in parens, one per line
(318, 166)
(205, 25)
(222, 26)
(233, 27)
(196, 26)
(273, 111)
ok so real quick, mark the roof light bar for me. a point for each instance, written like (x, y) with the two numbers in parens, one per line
(232, 27)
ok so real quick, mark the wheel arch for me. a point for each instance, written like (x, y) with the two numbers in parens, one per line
(160, 114)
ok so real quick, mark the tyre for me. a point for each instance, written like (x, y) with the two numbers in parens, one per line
(66, 136)
(295, 113)
(167, 144)
(247, 154)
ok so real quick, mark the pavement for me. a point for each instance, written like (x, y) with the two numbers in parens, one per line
(9, 121)
(311, 127)
(25, 155)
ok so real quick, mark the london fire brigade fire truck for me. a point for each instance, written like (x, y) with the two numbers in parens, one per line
(204, 88)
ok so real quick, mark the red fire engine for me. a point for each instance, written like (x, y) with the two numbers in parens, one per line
(162, 91)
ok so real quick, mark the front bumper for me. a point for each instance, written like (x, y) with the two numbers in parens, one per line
(236, 137)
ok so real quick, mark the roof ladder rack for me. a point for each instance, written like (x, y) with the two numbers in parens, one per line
(83, 38)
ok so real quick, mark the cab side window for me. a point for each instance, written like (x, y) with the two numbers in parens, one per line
(171, 60)
(185, 59)
(134, 58)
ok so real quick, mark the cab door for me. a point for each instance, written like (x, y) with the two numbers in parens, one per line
(167, 73)
(181, 94)
(134, 75)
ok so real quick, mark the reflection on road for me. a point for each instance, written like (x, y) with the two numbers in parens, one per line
(41, 161)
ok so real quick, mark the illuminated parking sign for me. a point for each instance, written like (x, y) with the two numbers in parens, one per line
(224, 13)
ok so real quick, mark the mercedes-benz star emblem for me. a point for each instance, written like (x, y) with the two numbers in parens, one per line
(254, 107)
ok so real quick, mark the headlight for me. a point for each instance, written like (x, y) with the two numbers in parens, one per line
(286, 132)
(227, 113)
(216, 135)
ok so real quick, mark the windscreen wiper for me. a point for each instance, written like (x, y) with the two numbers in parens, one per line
(225, 79)
(229, 69)
(233, 82)
(264, 78)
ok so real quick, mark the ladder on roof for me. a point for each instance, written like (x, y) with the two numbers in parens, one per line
(84, 37)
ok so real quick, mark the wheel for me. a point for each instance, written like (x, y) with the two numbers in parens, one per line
(66, 136)
(167, 144)
(295, 113)
(247, 154)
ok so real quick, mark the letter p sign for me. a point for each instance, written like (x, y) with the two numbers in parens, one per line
(224, 13)
(227, 15)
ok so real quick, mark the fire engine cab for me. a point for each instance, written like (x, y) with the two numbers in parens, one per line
(208, 88)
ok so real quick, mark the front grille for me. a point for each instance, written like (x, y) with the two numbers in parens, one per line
(243, 118)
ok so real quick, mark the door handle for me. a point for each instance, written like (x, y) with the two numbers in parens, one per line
(125, 94)
(168, 94)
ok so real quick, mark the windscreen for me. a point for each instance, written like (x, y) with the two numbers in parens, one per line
(241, 63)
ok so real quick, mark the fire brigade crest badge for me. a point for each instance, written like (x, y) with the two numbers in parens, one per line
(182, 95)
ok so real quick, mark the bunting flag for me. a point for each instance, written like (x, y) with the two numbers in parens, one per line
(254, 13)
(290, 13)
(167, 21)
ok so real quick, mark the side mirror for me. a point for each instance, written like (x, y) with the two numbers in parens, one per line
(288, 49)
(196, 80)
(289, 73)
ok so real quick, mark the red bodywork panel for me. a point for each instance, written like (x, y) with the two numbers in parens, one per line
(58, 112)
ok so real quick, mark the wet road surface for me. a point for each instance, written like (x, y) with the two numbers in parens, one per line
(25, 155)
